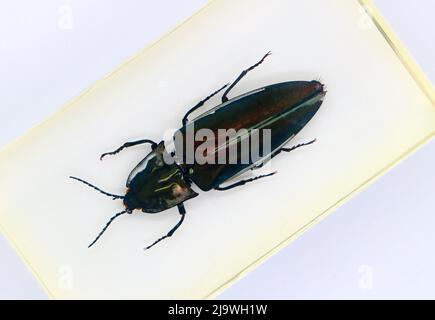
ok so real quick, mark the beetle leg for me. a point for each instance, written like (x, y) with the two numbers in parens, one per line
(242, 182)
(285, 150)
(297, 146)
(200, 104)
(244, 73)
(128, 145)
(182, 211)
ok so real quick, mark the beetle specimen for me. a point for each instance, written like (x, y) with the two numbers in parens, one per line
(155, 185)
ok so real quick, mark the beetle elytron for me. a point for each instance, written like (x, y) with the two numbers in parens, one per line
(155, 185)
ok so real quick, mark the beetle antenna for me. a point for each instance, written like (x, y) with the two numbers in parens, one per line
(106, 226)
(114, 196)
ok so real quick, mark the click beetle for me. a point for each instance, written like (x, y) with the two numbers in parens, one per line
(163, 179)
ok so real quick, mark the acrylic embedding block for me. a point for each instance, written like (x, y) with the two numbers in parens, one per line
(378, 109)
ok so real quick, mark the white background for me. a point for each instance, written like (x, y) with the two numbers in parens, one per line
(378, 245)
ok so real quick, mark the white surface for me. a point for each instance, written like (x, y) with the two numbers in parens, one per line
(360, 257)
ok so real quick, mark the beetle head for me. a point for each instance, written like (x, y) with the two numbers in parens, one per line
(130, 202)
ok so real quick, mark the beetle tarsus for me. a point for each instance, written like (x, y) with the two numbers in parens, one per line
(200, 104)
(285, 150)
(182, 211)
(244, 73)
(298, 146)
(128, 145)
(242, 182)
